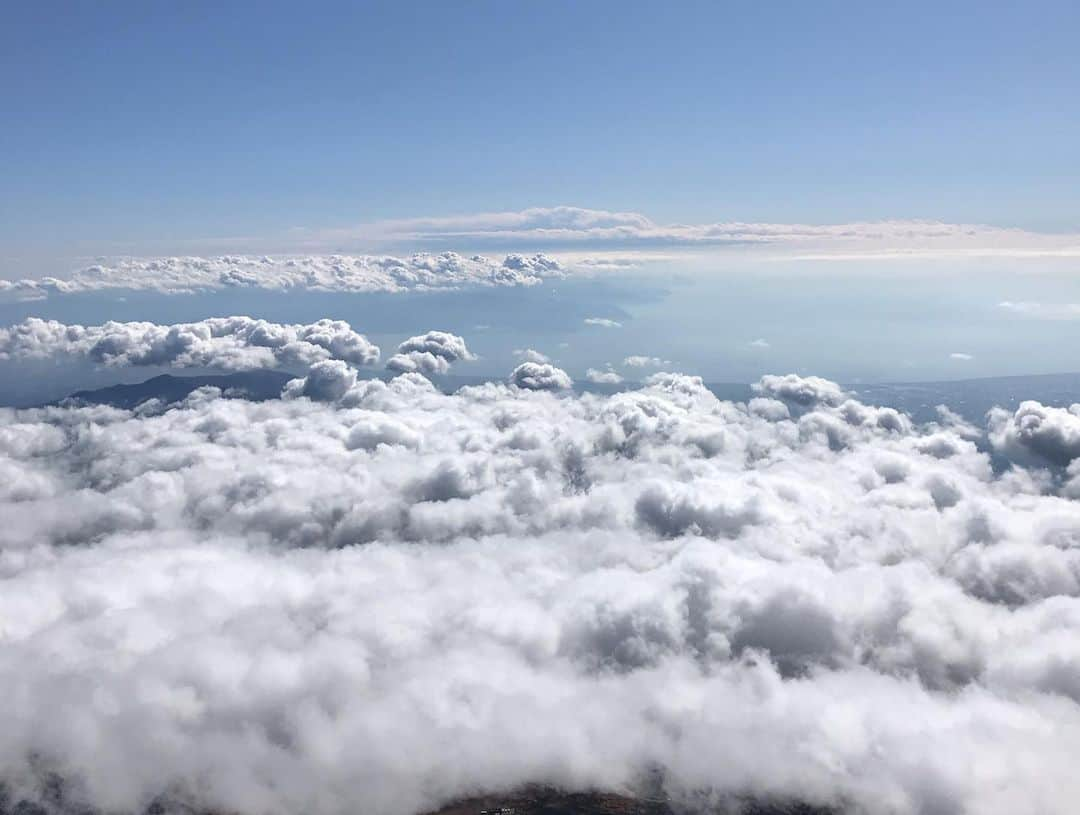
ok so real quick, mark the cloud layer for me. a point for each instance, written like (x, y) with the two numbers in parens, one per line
(584, 241)
(603, 376)
(375, 597)
(230, 343)
(336, 273)
(566, 226)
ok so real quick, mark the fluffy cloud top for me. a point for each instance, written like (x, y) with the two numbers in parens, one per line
(1047, 434)
(531, 355)
(326, 381)
(804, 391)
(339, 273)
(430, 353)
(603, 376)
(385, 601)
(540, 376)
(231, 343)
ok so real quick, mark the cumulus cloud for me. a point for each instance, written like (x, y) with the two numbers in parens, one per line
(231, 343)
(540, 376)
(602, 322)
(430, 353)
(386, 601)
(804, 391)
(961, 356)
(531, 355)
(1049, 434)
(641, 361)
(336, 273)
(326, 381)
(604, 376)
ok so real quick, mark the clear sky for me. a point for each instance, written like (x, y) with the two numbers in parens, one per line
(138, 123)
(676, 150)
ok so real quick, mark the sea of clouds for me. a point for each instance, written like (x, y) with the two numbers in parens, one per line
(372, 596)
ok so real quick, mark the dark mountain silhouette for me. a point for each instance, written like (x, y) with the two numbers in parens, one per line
(969, 397)
(254, 385)
(538, 800)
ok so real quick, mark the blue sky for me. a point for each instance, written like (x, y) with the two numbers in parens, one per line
(143, 123)
(684, 142)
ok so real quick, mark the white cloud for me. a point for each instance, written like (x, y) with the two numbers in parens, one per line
(801, 391)
(386, 601)
(759, 343)
(961, 356)
(641, 361)
(604, 376)
(326, 381)
(572, 240)
(232, 343)
(430, 353)
(1036, 432)
(602, 322)
(576, 226)
(531, 355)
(336, 273)
(540, 376)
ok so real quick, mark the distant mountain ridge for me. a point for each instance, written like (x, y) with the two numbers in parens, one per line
(971, 398)
(540, 800)
(254, 385)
